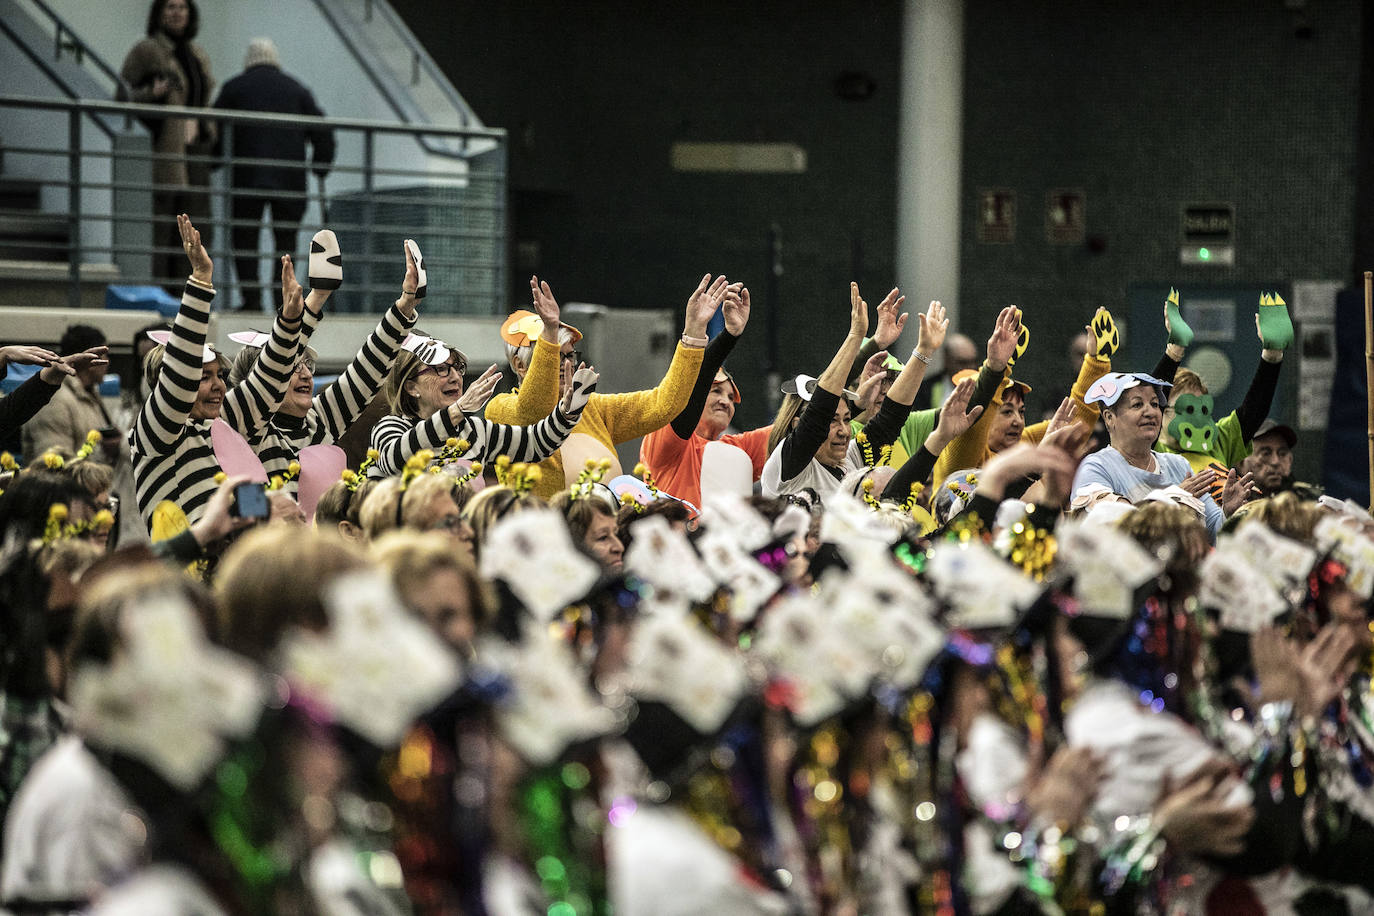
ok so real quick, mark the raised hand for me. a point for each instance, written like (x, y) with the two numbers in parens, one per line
(955, 418)
(736, 309)
(702, 304)
(581, 390)
(74, 363)
(1199, 484)
(202, 268)
(1106, 338)
(409, 283)
(932, 327)
(1179, 333)
(1022, 340)
(891, 319)
(25, 356)
(1065, 789)
(869, 381)
(1272, 324)
(1199, 819)
(1063, 416)
(1325, 665)
(292, 302)
(476, 395)
(1002, 343)
(1236, 492)
(858, 313)
(546, 307)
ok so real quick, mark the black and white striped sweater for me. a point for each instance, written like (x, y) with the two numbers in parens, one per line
(397, 438)
(335, 409)
(173, 458)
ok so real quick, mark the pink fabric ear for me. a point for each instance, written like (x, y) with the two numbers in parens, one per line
(234, 454)
(321, 465)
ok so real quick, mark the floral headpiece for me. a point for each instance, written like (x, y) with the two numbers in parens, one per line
(92, 440)
(52, 460)
(866, 448)
(58, 528)
(518, 476)
(293, 470)
(454, 450)
(593, 472)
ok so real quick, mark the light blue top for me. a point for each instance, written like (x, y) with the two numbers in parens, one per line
(1110, 468)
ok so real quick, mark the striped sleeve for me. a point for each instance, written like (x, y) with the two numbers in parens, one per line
(524, 443)
(249, 405)
(161, 421)
(339, 405)
(396, 439)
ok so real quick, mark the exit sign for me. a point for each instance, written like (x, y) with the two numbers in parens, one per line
(1208, 235)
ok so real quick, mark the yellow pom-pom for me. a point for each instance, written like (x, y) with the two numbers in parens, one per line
(349, 475)
(275, 483)
(640, 469)
(450, 442)
(57, 512)
(53, 460)
(7, 462)
(626, 498)
(221, 477)
(93, 437)
(434, 469)
(868, 484)
(103, 519)
(503, 461)
(293, 468)
(462, 445)
(475, 469)
(373, 454)
(604, 464)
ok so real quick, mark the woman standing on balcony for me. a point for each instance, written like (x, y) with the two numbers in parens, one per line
(169, 68)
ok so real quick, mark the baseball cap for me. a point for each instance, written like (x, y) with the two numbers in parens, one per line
(805, 385)
(522, 327)
(1271, 426)
(723, 376)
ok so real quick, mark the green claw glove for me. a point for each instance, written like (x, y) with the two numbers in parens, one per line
(1274, 326)
(1106, 338)
(1179, 332)
(1193, 425)
(1022, 340)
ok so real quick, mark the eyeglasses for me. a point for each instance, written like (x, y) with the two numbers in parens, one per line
(305, 363)
(574, 357)
(444, 370)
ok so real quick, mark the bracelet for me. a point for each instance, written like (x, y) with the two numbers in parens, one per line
(697, 342)
(407, 292)
(921, 357)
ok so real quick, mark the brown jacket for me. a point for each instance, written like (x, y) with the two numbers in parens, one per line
(153, 57)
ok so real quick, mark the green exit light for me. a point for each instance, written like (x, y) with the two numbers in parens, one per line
(1204, 255)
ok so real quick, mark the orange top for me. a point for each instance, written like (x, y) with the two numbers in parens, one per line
(676, 463)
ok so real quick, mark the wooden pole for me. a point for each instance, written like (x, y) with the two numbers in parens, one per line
(1369, 372)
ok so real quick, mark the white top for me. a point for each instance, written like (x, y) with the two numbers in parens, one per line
(71, 830)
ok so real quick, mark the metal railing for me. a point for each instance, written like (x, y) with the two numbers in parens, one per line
(384, 187)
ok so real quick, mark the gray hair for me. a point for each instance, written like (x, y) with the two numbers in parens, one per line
(261, 51)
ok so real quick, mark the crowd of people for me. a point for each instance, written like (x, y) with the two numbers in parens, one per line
(875, 657)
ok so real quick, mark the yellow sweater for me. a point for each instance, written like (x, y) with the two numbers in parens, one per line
(971, 449)
(536, 399)
(610, 419)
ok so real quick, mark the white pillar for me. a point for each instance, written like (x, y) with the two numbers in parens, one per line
(930, 156)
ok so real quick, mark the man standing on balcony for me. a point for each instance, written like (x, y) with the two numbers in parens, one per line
(258, 185)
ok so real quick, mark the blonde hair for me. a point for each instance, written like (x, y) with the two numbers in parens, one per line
(340, 504)
(379, 514)
(1286, 514)
(271, 580)
(152, 364)
(492, 504)
(1186, 381)
(1166, 526)
(411, 557)
(95, 477)
(782, 424)
(97, 630)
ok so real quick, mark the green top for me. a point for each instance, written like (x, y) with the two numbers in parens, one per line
(919, 425)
